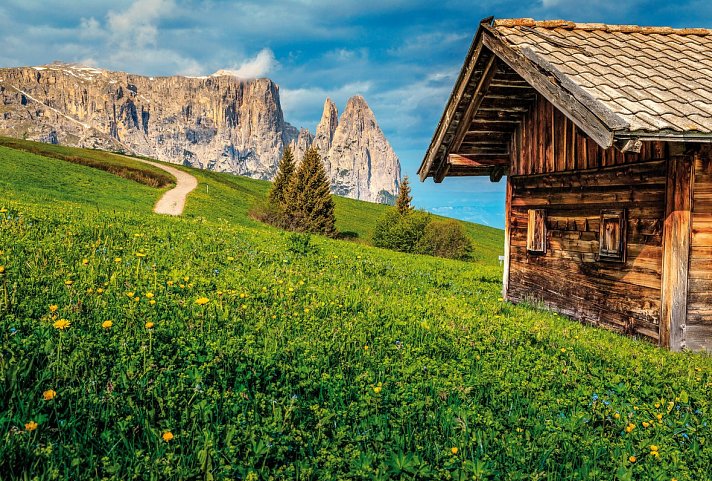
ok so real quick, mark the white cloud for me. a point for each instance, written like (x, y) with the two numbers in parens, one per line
(137, 25)
(261, 65)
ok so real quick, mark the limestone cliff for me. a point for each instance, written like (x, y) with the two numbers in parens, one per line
(216, 122)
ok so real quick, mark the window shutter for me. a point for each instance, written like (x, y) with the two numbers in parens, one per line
(536, 231)
(612, 242)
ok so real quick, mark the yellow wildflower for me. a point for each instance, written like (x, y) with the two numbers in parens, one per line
(169, 283)
(646, 424)
(49, 394)
(657, 405)
(149, 325)
(152, 301)
(140, 254)
(136, 299)
(85, 262)
(632, 459)
(230, 258)
(201, 301)
(130, 294)
(149, 295)
(630, 427)
(117, 259)
(659, 417)
(61, 324)
(563, 349)
(365, 348)
(31, 426)
(186, 278)
(53, 308)
(68, 282)
(2, 269)
(100, 291)
(454, 450)
(377, 389)
(90, 290)
(167, 436)
(107, 324)
(616, 416)
(653, 447)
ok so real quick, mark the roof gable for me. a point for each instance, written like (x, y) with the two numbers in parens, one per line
(615, 82)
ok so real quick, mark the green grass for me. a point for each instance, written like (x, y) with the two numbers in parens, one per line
(346, 362)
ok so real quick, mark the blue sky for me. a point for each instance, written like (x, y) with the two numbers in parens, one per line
(403, 56)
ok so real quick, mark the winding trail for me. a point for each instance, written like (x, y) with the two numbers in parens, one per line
(173, 201)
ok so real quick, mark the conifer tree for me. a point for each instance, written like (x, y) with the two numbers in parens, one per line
(285, 170)
(404, 198)
(309, 204)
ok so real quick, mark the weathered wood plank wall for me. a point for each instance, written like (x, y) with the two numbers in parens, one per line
(698, 330)
(556, 167)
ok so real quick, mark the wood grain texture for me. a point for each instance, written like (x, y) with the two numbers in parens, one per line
(571, 277)
(676, 251)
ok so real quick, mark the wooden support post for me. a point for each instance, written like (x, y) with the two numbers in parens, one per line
(507, 236)
(676, 252)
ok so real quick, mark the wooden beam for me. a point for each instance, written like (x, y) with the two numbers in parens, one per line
(456, 160)
(507, 238)
(562, 99)
(453, 102)
(677, 234)
(474, 105)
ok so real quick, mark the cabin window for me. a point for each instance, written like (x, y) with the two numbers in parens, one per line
(536, 231)
(612, 235)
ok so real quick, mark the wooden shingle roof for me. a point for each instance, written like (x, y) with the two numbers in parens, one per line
(655, 79)
(618, 83)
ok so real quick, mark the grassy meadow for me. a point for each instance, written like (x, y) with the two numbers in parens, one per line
(211, 347)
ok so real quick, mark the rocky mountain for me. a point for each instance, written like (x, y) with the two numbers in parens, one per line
(216, 122)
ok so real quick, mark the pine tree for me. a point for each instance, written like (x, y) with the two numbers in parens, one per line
(308, 202)
(285, 170)
(404, 198)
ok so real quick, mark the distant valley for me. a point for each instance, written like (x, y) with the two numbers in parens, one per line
(218, 122)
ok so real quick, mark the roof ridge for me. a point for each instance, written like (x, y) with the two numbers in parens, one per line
(568, 25)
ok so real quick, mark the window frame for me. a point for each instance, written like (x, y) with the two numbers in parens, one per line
(531, 226)
(619, 254)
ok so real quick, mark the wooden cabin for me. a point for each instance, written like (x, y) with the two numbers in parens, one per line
(603, 133)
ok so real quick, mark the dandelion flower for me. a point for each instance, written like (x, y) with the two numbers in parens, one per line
(152, 301)
(365, 348)
(149, 325)
(49, 394)
(100, 291)
(653, 447)
(630, 427)
(632, 459)
(616, 416)
(377, 389)
(149, 295)
(2, 269)
(31, 426)
(68, 282)
(454, 450)
(53, 308)
(140, 254)
(117, 259)
(167, 436)
(201, 301)
(61, 324)
(169, 283)
(646, 424)
(85, 262)
(563, 349)
(230, 258)
(659, 417)
(107, 324)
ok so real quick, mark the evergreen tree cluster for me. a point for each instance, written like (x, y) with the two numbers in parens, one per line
(300, 198)
(405, 229)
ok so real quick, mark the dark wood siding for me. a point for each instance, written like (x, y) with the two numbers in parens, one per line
(548, 142)
(698, 331)
(558, 168)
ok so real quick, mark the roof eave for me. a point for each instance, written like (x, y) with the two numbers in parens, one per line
(453, 101)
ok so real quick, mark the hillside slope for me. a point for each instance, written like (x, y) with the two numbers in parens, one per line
(141, 346)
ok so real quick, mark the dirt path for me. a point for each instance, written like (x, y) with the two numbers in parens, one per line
(173, 201)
